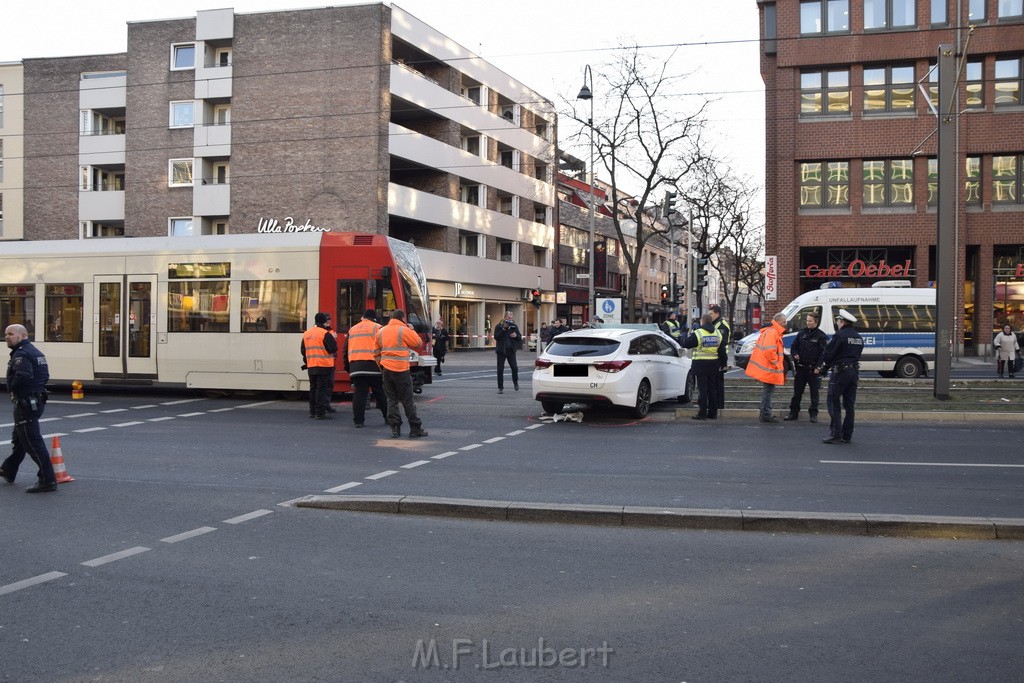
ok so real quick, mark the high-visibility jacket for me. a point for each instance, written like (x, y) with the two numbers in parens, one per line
(392, 344)
(672, 329)
(360, 347)
(766, 362)
(707, 344)
(317, 355)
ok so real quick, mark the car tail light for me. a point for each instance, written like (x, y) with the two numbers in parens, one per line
(541, 364)
(612, 365)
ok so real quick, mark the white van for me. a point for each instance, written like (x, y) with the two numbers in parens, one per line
(897, 323)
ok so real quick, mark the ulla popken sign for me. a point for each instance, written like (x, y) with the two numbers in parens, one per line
(289, 225)
(858, 268)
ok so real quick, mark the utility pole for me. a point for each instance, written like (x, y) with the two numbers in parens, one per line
(945, 277)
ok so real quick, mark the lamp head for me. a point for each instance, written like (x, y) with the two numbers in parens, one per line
(585, 93)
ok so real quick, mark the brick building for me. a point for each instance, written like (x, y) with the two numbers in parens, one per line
(851, 171)
(356, 118)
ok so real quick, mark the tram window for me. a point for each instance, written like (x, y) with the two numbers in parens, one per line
(64, 313)
(273, 305)
(197, 306)
(18, 307)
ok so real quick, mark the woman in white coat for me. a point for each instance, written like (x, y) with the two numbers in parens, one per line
(1007, 349)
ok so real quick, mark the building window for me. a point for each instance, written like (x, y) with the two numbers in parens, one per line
(469, 244)
(1011, 9)
(889, 14)
(222, 56)
(825, 184)
(179, 173)
(888, 183)
(824, 16)
(1006, 179)
(1008, 82)
(1, 160)
(975, 11)
(182, 114)
(889, 89)
(825, 92)
(471, 194)
(940, 11)
(183, 56)
(972, 184)
(1, 106)
(180, 227)
(507, 251)
(471, 144)
(974, 86)
(91, 229)
(770, 30)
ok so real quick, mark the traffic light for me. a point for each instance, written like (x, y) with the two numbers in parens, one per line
(664, 294)
(668, 207)
(535, 298)
(679, 294)
(701, 280)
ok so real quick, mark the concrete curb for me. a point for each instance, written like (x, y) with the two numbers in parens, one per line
(869, 415)
(853, 524)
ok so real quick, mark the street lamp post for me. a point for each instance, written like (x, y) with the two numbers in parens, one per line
(587, 94)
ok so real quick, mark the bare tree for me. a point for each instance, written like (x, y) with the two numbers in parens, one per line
(644, 145)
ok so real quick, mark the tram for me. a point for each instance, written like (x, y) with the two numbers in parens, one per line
(216, 313)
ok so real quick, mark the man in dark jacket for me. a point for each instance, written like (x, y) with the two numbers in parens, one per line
(440, 344)
(807, 350)
(705, 339)
(842, 355)
(507, 340)
(27, 374)
(723, 329)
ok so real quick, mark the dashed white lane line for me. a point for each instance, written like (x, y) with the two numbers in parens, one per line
(471, 446)
(184, 400)
(917, 464)
(188, 534)
(73, 402)
(128, 424)
(442, 456)
(495, 439)
(159, 419)
(192, 414)
(415, 464)
(115, 410)
(151, 405)
(220, 410)
(27, 583)
(90, 429)
(247, 516)
(381, 475)
(79, 415)
(114, 557)
(344, 487)
(257, 405)
(536, 426)
(516, 433)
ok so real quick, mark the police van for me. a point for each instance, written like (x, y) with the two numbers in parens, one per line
(896, 322)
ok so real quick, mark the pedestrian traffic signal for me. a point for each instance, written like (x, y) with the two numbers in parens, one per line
(668, 207)
(702, 273)
(535, 298)
(664, 294)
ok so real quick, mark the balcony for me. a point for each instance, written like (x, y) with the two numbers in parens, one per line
(210, 199)
(100, 150)
(211, 140)
(109, 92)
(101, 206)
(213, 81)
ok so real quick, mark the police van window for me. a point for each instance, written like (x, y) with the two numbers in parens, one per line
(799, 321)
(18, 307)
(273, 305)
(871, 318)
(64, 313)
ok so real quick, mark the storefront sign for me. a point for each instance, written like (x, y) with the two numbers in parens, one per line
(460, 290)
(858, 269)
(771, 277)
(289, 225)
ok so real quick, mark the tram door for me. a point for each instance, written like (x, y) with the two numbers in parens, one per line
(124, 325)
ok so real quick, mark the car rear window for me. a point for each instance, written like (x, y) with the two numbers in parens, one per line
(582, 346)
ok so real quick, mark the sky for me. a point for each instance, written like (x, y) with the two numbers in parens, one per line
(544, 44)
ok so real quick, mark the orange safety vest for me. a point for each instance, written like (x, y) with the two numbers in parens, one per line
(361, 340)
(766, 362)
(393, 343)
(316, 353)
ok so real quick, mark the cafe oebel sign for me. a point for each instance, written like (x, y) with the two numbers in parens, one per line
(858, 269)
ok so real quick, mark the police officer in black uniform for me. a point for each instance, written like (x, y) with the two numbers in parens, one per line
(842, 355)
(808, 348)
(27, 375)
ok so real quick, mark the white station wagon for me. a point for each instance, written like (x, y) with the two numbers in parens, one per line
(627, 367)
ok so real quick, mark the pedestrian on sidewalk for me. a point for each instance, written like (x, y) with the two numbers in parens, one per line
(842, 355)
(440, 344)
(1007, 349)
(767, 364)
(807, 350)
(507, 340)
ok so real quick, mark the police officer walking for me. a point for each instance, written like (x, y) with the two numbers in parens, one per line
(27, 374)
(705, 339)
(807, 350)
(842, 355)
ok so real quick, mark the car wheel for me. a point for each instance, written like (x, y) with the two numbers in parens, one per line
(909, 367)
(552, 407)
(643, 399)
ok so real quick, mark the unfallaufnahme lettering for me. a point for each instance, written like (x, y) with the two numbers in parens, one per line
(273, 225)
(484, 654)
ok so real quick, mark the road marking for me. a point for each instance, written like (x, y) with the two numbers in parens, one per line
(221, 410)
(115, 410)
(201, 412)
(79, 402)
(28, 583)
(415, 464)
(536, 426)
(152, 405)
(291, 503)
(114, 557)
(516, 433)
(68, 417)
(159, 419)
(90, 429)
(247, 516)
(128, 424)
(256, 405)
(188, 534)
(471, 446)
(184, 400)
(495, 439)
(344, 487)
(442, 456)
(918, 464)
(381, 475)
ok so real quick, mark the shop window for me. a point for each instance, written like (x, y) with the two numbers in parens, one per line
(64, 312)
(888, 183)
(824, 184)
(889, 89)
(273, 305)
(1008, 82)
(1006, 179)
(825, 92)
(824, 16)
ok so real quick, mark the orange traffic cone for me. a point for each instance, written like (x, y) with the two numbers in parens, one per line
(57, 460)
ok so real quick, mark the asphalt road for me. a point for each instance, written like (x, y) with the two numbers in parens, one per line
(175, 556)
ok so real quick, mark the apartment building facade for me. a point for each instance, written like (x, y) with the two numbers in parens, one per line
(358, 118)
(12, 136)
(851, 171)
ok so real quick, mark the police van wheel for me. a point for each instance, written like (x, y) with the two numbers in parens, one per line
(909, 367)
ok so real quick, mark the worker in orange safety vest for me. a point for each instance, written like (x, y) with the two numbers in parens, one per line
(392, 346)
(767, 363)
(319, 348)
